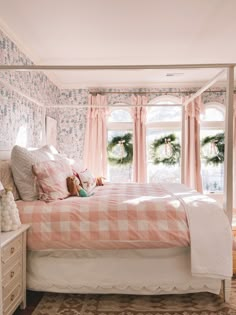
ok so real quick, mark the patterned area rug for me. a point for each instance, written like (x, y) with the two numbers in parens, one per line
(187, 304)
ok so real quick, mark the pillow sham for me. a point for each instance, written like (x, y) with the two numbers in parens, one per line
(22, 160)
(7, 179)
(87, 180)
(51, 177)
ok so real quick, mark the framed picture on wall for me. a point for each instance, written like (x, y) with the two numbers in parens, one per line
(51, 131)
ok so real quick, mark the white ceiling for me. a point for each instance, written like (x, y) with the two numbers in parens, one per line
(103, 32)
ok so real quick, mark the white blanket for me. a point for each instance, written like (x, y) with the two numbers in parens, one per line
(210, 233)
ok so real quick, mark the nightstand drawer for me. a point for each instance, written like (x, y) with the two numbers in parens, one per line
(12, 273)
(11, 262)
(12, 298)
(11, 249)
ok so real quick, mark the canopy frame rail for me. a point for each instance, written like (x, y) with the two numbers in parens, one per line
(113, 67)
(228, 161)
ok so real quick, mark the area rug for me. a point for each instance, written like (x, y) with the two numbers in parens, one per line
(90, 304)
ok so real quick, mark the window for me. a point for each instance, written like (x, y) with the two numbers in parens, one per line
(120, 124)
(212, 123)
(163, 121)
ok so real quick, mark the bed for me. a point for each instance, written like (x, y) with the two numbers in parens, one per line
(129, 238)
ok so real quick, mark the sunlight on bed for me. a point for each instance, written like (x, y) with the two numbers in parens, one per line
(144, 198)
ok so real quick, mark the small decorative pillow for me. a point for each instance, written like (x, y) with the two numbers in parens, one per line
(87, 180)
(51, 177)
(22, 160)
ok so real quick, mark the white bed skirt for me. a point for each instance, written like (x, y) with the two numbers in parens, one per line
(142, 271)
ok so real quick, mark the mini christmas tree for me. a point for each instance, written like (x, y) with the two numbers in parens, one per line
(10, 219)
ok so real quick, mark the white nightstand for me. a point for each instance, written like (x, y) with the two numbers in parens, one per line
(13, 269)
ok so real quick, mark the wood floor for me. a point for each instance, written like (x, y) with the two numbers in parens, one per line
(33, 298)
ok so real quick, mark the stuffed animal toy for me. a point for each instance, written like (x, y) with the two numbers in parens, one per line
(100, 181)
(74, 187)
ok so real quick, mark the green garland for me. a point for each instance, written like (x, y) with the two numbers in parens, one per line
(218, 141)
(127, 146)
(175, 150)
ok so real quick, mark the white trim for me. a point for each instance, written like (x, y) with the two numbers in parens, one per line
(16, 90)
(160, 125)
(19, 43)
(120, 126)
(205, 87)
(167, 97)
(28, 52)
(212, 125)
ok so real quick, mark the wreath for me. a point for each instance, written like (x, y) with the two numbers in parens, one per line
(120, 150)
(171, 154)
(217, 148)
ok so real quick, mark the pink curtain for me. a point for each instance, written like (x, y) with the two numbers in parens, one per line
(95, 148)
(234, 157)
(139, 142)
(192, 167)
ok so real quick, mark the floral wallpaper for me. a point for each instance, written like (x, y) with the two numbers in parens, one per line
(71, 124)
(34, 84)
(21, 121)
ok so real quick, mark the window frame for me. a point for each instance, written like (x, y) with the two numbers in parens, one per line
(166, 125)
(213, 125)
(120, 125)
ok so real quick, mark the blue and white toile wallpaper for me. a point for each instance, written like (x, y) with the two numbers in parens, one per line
(21, 120)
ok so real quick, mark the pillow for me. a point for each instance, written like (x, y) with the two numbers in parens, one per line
(7, 179)
(51, 177)
(87, 180)
(22, 160)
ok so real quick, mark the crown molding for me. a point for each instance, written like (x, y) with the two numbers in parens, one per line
(28, 52)
(19, 43)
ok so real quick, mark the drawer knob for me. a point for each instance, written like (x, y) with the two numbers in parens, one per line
(12, 250)
(12, 274)
(12, 297)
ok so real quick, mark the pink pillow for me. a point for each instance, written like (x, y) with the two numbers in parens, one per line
(88, 181)
(51, 177)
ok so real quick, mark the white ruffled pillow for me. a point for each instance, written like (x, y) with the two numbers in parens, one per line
(22, 160)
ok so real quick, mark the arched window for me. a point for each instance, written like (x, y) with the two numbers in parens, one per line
(212, 125)
(163, 120)
(119, 124)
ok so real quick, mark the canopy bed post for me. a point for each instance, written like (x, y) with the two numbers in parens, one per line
(228, 161)
(183, 145)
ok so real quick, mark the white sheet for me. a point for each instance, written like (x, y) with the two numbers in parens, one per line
(210, 233)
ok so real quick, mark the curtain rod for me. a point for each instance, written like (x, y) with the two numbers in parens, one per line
(161, 92)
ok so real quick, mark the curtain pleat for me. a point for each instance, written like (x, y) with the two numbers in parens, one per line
(139, 139)
(192, 167)
(95, 148)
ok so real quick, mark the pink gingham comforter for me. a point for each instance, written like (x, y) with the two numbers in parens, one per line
(116, 216)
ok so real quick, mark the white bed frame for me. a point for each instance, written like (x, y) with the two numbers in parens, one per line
(228, 163)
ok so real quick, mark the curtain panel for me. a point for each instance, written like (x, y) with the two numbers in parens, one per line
(234, 156)
(139, 138)
(192, 167)
(95, 148)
